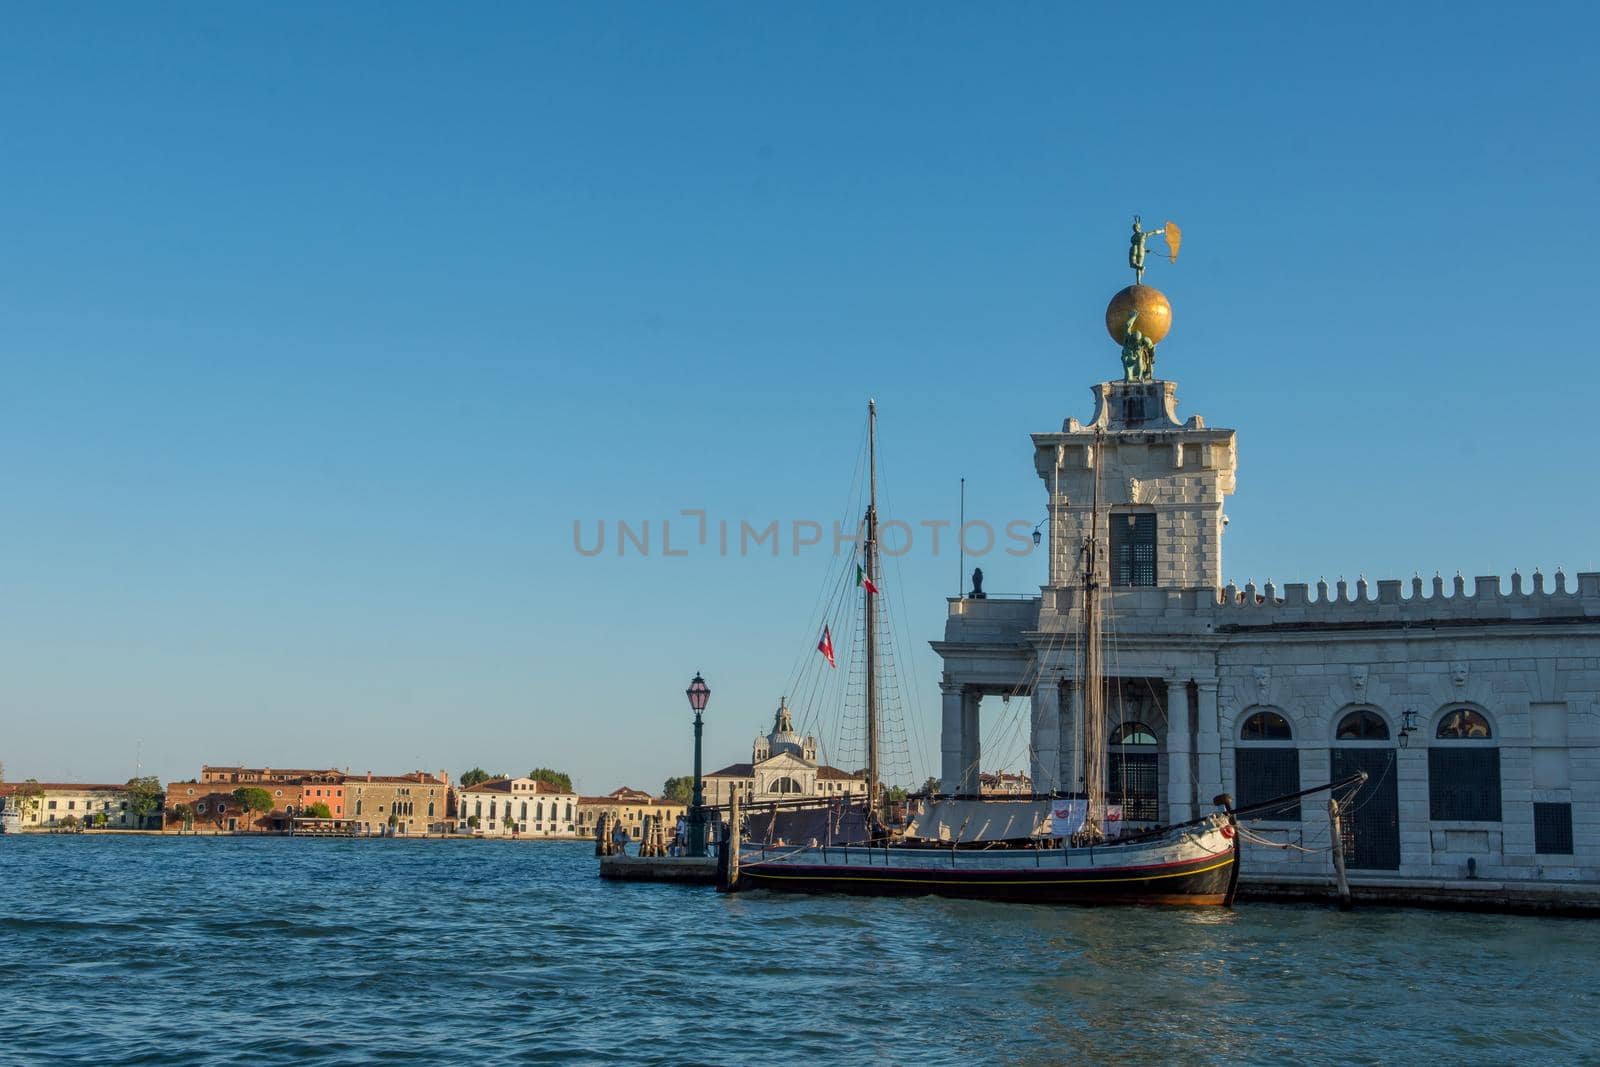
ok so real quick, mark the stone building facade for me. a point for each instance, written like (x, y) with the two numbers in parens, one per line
(51, 805)
(1475, 709)
(629, 807)
(516, 807)
(783, 766)
(404, 805)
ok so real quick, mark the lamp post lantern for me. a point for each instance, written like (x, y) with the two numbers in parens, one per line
(699, 693)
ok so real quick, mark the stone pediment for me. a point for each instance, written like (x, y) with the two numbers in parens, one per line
(786, 761)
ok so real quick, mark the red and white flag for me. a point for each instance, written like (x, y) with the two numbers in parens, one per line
(825, 646)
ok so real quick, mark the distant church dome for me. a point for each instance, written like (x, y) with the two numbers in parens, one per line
(783, 737)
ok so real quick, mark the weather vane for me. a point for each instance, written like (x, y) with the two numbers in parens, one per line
(1141, 239)
(1139, 316)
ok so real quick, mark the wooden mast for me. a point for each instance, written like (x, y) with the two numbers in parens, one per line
(1093, 685)
(871, 570)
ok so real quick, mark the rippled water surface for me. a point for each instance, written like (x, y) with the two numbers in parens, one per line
(152, 950)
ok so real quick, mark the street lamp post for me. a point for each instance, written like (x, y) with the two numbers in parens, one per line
(699, 693)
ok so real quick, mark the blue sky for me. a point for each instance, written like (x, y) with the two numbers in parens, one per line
(321, 325)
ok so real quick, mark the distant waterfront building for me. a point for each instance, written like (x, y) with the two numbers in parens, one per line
(629, 807)
(45, 805)
(418, 801)
(783, 766)
(1475, 710)
(516, 807)
(210, 797)
(404, 805)
(1005, 783)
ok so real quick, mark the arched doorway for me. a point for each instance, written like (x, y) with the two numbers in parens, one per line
(1371, 817)
(1133, 772)
(1266, 765)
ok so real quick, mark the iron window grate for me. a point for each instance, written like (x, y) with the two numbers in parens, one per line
(1260, 774)
(1552, 829)
(1464, 784)
(1133, 548)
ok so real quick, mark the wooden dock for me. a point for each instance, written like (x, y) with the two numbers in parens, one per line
(1467, 894)
(684, 870)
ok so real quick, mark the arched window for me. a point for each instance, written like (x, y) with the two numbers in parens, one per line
(1266, 765)
(1266, 726)
(1464, 768)
(1133, 772)
(785, 785)
(1133, 733)
(1464, 724)
(1362, 725)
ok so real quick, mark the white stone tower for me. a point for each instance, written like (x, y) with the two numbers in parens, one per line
(1161, 488)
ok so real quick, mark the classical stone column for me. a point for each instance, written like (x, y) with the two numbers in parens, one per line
(951, 743)
(1180, 782)
(971, 743)
(1071, 735)
(1067, 751)
(1208, 743)
(1044, 743)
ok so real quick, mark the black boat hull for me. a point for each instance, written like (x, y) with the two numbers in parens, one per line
(1201, 881)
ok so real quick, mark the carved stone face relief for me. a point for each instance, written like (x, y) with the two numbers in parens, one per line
(1458, 674)
(1358, 683)
(1135, 491)
(1263, 676)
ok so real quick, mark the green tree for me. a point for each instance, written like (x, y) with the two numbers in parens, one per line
(98, 820)
(895, 794)
(252, 799)
(679, 790)
(319, 810)
(558, 779)
(30, 795)
(931, 786)
(473, 821)
(144, 798)
(70, 822)
(474, 776)
(184, 813)
(394, 820)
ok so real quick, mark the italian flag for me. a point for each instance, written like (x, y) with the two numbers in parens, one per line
(863, 581)
(825, 646)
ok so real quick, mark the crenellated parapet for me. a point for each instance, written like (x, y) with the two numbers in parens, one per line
(1422, 602)
(1338, 604)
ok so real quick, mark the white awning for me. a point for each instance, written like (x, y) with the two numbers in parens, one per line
(969, 821)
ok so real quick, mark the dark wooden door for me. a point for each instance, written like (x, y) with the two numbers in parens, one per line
(1372, 816)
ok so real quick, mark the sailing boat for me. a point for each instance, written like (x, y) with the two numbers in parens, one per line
(1055, 849)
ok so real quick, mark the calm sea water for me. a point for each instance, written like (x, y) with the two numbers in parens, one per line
(150, 950)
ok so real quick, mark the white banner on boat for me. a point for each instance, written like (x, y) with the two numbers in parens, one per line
(1067, 816)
